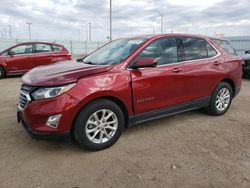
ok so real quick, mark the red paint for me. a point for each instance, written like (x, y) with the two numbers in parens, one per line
(22, 63)
(139, 90)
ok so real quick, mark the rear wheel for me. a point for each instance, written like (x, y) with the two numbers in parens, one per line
(99, 125)
(2, 72)
(221, 99)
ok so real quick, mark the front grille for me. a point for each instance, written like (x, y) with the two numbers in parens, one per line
(25, 95)
(23, 100)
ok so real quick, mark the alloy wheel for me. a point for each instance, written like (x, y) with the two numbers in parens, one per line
(101, 126)
(222, 99)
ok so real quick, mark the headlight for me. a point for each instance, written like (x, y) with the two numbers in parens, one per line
(46, 93)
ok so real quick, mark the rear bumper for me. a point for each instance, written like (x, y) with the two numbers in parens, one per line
(62, 137)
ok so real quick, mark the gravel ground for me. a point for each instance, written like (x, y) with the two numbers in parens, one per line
(191, 149)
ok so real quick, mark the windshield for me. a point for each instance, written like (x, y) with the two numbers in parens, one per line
(114, 52)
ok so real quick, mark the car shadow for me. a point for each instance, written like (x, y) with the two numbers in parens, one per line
(73, 146)
(12, 76)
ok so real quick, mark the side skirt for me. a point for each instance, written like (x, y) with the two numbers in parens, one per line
(148, 116)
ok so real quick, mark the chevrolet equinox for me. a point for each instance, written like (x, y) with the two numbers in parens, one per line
(126, 82)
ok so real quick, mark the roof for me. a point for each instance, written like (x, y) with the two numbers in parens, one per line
(169, 35)
(37, 42)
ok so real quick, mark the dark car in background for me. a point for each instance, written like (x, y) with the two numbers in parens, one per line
(246, 65)
(22, 57)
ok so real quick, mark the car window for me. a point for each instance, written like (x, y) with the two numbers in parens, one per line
(194, 48)
(211, 52)
(226, 46)
(23, 49)
(5, 54)
(56, 48)
(164, 50)
(42, 48)
(114, 52)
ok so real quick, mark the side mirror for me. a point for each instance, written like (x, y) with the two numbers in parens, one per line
(247, 52)
(145, 62)
(11, 53)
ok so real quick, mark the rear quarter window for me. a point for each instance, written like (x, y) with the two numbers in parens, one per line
(56, 48)
(226, 46)
(211, 52)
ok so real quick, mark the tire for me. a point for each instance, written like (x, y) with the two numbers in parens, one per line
(2, 72)
(218, 106)
(91, 117)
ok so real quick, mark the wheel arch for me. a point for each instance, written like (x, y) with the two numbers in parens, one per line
(1, 66)
(231, 83)
(116, 100)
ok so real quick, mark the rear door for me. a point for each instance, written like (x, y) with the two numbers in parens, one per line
(162, 86)
(19, 59)
(201, 67)
(43, 54)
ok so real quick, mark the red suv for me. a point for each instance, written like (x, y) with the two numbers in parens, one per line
(126, 82)
(22, 57)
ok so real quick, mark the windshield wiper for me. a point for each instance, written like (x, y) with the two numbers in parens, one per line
(82, 61)
(88, 62)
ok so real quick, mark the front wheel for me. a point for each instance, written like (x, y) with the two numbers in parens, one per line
(99, 125)
(2, 73)
(221, 99)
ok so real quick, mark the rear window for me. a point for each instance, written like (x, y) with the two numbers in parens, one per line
(226, 46)
(43, 48)
(194, 48)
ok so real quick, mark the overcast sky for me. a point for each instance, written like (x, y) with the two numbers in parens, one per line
(67, 19)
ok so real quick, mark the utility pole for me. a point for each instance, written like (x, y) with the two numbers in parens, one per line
(79, 34)
(161, 22)
(110, 20)
(10, 30)
(29, 29)
(89, 31)
(5, 33)
(87, 34)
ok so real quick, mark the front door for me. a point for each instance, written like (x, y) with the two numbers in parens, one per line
(162, 86)
(19, 59)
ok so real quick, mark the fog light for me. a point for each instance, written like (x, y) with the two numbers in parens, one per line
(53, 121)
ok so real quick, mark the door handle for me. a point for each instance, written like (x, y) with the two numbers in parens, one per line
(217, 63)
(176, 70)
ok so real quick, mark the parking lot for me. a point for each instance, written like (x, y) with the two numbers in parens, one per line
(186, 150)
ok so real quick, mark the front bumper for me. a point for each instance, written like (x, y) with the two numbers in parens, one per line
(35, 115)
(62, 137)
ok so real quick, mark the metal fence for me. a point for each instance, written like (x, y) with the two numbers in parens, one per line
(241, 44)
(75, 47)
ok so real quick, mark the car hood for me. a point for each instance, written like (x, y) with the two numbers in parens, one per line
(61, 73)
